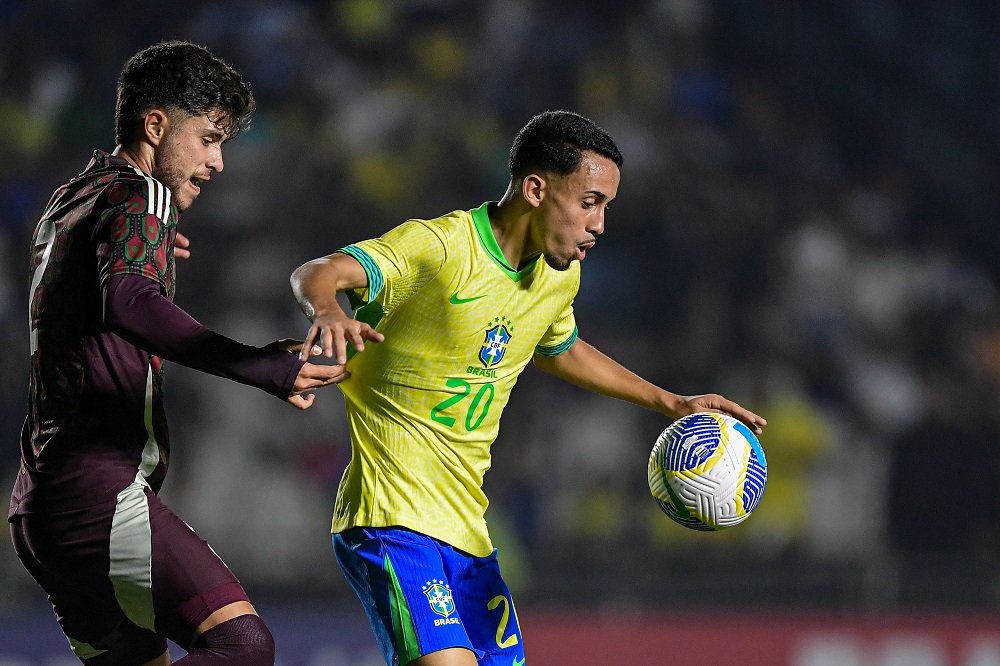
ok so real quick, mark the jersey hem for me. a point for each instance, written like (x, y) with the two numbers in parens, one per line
(457, 544)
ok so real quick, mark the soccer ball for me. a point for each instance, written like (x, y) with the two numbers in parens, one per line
(707, 471)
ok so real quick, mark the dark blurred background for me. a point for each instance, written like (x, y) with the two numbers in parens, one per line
(805, 223)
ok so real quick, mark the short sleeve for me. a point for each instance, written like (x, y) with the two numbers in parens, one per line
(398, 264)
(560, 336)
(135, 233)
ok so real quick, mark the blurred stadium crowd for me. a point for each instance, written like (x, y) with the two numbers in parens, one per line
(803, 225)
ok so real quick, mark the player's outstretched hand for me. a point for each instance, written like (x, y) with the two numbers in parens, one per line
(311, 377)
(716, 403)
(181, 245)
(296, 346)
(332, 332)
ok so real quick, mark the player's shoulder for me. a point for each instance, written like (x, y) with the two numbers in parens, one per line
(125, 186)
(445, 225)
(446, 230)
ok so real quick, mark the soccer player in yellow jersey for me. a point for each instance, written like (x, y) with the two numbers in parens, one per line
(459, 305)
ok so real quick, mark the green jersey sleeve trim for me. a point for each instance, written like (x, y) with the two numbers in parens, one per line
(375, 279)
(563, 346)
(481, 219)
(368, 311)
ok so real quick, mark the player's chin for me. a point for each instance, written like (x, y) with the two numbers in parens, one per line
(558, 263)
(184, 202)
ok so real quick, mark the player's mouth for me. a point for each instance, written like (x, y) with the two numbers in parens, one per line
(196, 182)
(581, 249)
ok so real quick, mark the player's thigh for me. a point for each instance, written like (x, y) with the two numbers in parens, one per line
(487, 608)
(67, 554)
(403, 584)
(192, 589)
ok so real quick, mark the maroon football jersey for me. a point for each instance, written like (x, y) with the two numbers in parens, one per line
(95, 401)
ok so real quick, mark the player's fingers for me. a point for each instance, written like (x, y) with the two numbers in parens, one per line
(302, 401)
(333, 379)
(371, 334)
(340, 347)
(313, 376)
(759, 420)
(322, 375)
(308, 343)
(356, 339)
(329, 342)
(180, 243)
(755, 422)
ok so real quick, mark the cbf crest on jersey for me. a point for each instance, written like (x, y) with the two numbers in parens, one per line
(495, 342)
(439, 597)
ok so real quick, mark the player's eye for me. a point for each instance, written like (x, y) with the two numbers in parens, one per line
(588, 204)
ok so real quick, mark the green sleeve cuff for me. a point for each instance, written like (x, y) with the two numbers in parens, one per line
(375, 278)
(563, 346)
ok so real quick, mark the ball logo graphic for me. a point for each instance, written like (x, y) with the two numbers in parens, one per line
(707, 471)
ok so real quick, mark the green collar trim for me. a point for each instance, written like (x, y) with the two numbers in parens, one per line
(481, 220)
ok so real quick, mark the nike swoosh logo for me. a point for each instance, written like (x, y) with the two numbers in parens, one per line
(455, 300)
(518, 662)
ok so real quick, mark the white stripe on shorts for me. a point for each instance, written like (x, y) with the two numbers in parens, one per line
(131, 552)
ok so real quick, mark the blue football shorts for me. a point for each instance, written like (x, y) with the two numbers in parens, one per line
(421, 595)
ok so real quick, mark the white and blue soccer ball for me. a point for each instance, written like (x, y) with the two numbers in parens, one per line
(707, 471)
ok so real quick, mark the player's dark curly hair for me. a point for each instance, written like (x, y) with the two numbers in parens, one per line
(181, 76)
(552, 142)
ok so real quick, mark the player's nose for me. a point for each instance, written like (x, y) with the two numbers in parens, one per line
(214, 161)
(596, 225)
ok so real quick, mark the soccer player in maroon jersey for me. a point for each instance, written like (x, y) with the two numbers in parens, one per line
(122, 571)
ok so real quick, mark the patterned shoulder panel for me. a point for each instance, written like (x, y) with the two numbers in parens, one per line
(136, 230)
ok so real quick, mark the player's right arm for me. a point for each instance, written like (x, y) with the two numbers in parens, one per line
(136, 311)
(133, 246)
(316, 284)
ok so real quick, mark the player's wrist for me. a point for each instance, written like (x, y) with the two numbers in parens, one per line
(673, 405)
(328, 311)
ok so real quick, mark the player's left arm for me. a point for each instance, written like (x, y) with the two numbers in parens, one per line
(588, 368)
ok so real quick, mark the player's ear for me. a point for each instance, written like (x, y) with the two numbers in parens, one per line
(155, 126)
(533, 189)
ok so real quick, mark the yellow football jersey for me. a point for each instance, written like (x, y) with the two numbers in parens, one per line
(424, 405)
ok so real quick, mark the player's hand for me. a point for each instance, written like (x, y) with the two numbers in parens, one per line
(295, 346)
(716, 403)
(181, 245)
(332, 332)
(311, 377)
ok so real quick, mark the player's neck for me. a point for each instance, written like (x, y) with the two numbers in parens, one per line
(511, 223)
(137, 156)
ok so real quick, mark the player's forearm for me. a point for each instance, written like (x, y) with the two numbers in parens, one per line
(588, 368)
(135, 310)
(316, 284)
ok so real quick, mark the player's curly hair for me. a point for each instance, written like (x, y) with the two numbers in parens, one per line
(181, 76)
(552, 142)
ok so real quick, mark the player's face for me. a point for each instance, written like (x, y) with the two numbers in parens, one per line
(190, 152)
(574, 208)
